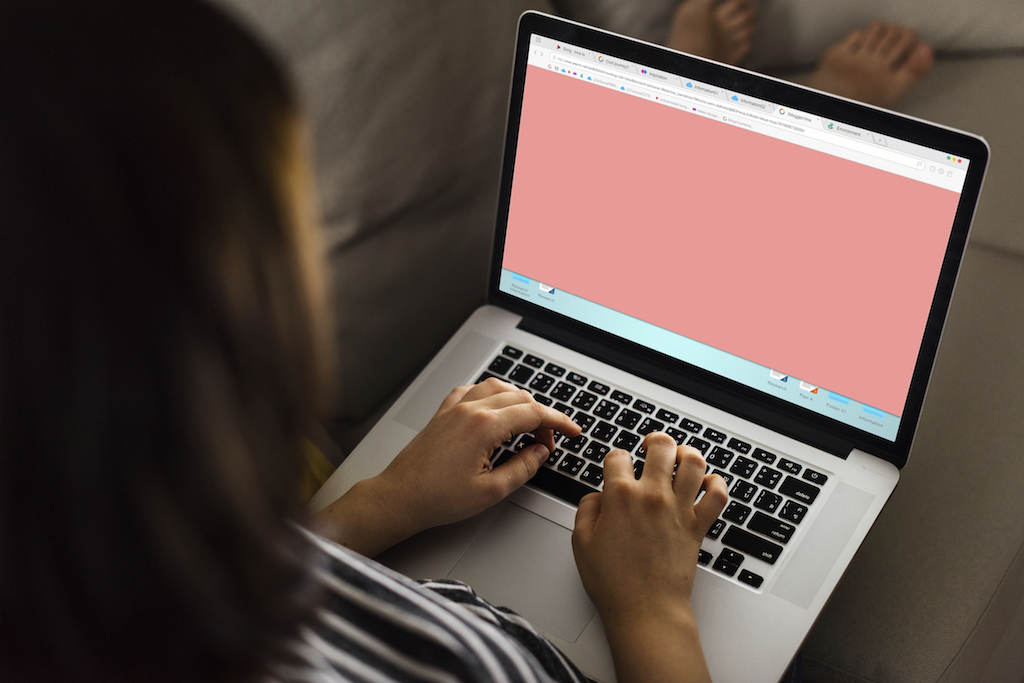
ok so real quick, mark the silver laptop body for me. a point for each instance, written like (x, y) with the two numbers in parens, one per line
(761, 269)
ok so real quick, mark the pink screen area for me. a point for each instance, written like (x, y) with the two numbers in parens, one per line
(808, 264)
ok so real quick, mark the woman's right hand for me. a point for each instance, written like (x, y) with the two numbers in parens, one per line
(636, 546)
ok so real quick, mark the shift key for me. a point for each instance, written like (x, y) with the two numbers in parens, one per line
(752, 545)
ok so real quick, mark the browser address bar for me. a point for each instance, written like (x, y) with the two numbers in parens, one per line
(820, 136)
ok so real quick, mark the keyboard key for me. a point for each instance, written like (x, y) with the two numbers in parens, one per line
(793, 511)
(638, 468)
(575, 444)
(771, 527)
(486, 376)
(533, 361)
(501, 365)
(815, 477)
(752, 545)
(623, 398)
(563, 391)
(649, 425)
(643, 406)
(700, 444)
(764, 456)
(626, 441)
(741, 446)
(553, 457)
(667, 415)
(725, 475)
(598, 388)
(679, 436)
(584, 400)
(593, 475)
(541, 398)
(768, 477)
(790, 466)
(562, 408)
(714, 435)
(584, 421)
(542, 382)
(716, 529)
(595, 451)
(556, 370)
(577, 379)
(570, 464)
(728, 562)
(750, 578)
(768, 501)
(606, 409)
(802, 491)
(604, 431)
(719, 457)
(743, 490)
(691, 426)
(524, 441)
(704, 557)
(521, 374)
(512, 352)
(736, 512)
(627, 419)
(743, 467)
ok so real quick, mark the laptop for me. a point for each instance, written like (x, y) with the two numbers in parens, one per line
(761, 270)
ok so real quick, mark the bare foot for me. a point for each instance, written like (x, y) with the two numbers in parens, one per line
(877, 65)
(715, 29)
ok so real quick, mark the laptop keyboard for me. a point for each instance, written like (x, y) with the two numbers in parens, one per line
(769, 495)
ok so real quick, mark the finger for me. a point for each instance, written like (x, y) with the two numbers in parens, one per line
(660, 459)
(531, 416)
(454, 397)
(690, 475)
(520, 468)
(716, 495)
(587, 514)
(489, 387)
(618, 468)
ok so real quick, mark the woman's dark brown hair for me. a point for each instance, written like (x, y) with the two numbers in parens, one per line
(159, 355)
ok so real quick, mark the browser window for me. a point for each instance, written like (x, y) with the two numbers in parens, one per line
(793, 254)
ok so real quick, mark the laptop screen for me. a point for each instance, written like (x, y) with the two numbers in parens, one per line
(790, 253)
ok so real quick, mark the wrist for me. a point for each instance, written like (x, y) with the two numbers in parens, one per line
(365, 519)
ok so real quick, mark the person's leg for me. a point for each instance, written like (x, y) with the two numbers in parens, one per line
(716, 29)
(877, 65)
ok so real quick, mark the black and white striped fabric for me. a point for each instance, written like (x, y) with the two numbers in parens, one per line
(376, 625)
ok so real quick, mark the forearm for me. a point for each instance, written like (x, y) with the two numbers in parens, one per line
(363, 520)
(656, 647)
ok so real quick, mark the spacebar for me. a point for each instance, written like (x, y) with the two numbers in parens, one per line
(559, 485)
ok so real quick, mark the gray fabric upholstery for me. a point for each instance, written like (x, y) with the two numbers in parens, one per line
(938, 579)
(408, 102)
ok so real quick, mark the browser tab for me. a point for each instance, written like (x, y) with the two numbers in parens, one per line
(796, 115)
(705, 89)
(660, 76)
(848, 131)
(879, 140)
(753, 103)
(621, 64)
(578, 53)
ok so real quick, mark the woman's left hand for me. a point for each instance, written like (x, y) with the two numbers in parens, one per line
(444, 475)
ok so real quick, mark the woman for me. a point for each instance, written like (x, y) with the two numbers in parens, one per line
(161, 356)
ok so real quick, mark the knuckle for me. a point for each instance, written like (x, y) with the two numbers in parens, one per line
(691, 457)
(655, 438)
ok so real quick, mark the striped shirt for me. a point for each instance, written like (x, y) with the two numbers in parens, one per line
(377, 625)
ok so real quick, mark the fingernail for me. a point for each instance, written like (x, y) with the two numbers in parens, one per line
(541, 451)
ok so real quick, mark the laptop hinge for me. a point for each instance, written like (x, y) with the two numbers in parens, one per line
(701, 390)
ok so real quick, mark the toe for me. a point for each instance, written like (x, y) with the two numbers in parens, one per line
(876, 33)
(921, 59)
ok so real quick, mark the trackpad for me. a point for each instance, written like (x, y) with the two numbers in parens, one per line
(524, 562)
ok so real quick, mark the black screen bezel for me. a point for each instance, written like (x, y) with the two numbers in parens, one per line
(680, 376)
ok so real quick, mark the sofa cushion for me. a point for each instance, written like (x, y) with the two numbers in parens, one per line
(408, 104)
(794, 33)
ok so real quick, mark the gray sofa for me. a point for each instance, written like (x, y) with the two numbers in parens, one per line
(407, 100)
